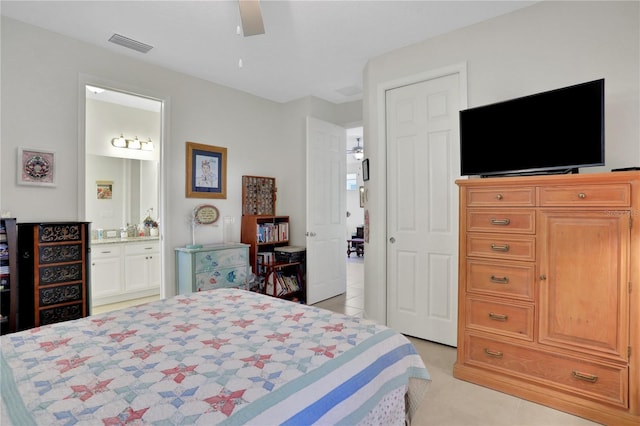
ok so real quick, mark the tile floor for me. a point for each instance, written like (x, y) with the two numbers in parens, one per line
(449, 401)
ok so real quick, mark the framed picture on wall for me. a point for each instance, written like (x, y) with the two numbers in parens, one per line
(36, 167)
(365, 169)
(206, 171)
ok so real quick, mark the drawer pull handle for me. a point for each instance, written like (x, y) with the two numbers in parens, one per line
(495, 354)
(586, 377)
(496, 247)
(502, 222)
(497, 317)
(106, 252)
(497, 280)
(499, 197)
(582, 195)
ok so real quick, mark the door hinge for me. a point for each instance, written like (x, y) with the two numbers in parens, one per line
(630, 286)
(629, 351)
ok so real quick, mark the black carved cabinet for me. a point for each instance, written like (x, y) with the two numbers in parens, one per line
(53, 262)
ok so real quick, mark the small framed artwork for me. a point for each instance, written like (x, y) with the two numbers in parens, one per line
(362, 196)
(36, 167)
(365, 169)
(104, 189)
(206, 171)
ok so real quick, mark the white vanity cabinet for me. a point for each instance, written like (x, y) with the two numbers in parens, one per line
(106, 271)
(142, 266)
(124, 270)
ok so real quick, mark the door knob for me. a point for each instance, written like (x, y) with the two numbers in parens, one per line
(392, 240)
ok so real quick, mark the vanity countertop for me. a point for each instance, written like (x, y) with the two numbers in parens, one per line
(123, 240)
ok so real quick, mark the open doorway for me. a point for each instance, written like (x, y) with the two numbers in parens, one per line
(355, 219)
(122, 197)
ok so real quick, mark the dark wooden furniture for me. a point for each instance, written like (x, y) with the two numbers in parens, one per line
(8, 275)
(54, 272)
(355, 245)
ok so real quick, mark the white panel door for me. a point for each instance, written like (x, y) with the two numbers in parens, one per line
(422, 204)
(326, 210)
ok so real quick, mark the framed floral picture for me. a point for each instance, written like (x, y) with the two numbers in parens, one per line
(206, 171)
(36, 167)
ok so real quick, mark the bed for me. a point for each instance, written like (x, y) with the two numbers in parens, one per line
(223, 356)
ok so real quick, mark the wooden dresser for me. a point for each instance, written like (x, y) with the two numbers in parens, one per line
(549, 291)
(53, 263)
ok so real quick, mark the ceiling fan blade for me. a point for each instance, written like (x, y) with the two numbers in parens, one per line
(251, 17)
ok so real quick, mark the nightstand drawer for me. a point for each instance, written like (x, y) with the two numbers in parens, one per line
(610, 195)
(507, 319)
(501, 196)
(504, 221)
(599, 381)
(498, 246)
(501, 279)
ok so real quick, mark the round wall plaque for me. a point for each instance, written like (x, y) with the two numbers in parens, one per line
(206, 214)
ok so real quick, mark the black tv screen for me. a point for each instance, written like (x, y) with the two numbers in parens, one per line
(549, 132)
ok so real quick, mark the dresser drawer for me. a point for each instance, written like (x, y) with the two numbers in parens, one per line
(598, 381)
(222, 278)
(501, 196)
(60, 273)
(59, 253)
(501, 279)
(609, 195)
(504, 318)
(61, 313)
(208, 260)
(58, 232)
(498, 246)
(53, 295)
(502, 220)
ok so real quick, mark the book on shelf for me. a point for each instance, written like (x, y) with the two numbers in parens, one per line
(272, 232)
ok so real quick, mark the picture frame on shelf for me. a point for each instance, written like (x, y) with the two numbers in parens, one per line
(206, 171)
(36, 167)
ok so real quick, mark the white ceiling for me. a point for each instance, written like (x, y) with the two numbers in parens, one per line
(317, 48)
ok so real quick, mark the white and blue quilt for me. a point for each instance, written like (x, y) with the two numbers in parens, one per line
(223, 356)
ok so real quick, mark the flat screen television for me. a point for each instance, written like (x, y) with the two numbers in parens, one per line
(556, 131)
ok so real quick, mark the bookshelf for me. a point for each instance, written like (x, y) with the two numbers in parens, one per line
(278, 273)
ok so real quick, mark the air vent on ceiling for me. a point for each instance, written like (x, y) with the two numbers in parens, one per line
(130, 43)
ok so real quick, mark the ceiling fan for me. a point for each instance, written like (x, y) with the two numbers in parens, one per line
(357, 151)
(251, 17)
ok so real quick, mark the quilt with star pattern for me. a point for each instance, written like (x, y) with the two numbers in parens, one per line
(224, 356)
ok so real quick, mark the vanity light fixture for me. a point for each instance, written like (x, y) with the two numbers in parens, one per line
(146, 145)
(134, 143)
(121, 142)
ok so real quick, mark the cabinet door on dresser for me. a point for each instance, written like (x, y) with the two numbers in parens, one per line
(584, 264)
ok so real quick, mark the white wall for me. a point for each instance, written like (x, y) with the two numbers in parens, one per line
(40, 98)
(545, 46)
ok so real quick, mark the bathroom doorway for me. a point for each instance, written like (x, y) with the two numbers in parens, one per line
(122, 195)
